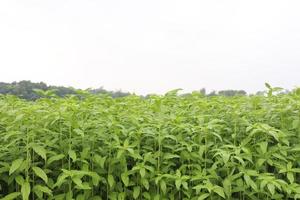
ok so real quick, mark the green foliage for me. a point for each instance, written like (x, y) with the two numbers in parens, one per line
(161, 147)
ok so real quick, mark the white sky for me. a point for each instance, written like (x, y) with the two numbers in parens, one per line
(151, 46)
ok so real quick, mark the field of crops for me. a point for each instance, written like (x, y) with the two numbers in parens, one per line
(161, 147)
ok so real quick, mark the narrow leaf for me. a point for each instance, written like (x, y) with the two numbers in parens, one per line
(15, 165)
(25, 190)
(11, 196)
(40, 151)
(40, 173)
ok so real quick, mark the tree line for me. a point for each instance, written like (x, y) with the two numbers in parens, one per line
(28, 90)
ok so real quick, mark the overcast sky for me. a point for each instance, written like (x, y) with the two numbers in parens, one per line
(151, 46)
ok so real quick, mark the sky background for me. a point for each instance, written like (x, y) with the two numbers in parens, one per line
(151, 46)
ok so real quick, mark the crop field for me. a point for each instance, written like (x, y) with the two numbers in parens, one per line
(161, 147)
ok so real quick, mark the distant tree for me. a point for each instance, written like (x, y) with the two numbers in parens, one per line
(23, 89)
(230, 93)
(260, 93)
(62, 91)
(119, 93)
(116, 94)
(203, 91)
(29, 90)
(213, 93)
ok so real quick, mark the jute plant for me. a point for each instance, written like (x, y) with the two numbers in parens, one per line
(159, 147)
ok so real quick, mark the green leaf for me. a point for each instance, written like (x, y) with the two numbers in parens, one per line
(271, 188)
(145, 183)
(11, 196)
(69, 195)
(55, 158)
(203, 196)
(121, 196)
(157, 197)
(251, 172)
(290, 177)
(82, 186)
(142, 172)
(111, 180)
(77, 180)
(250, 182)
(80, 197)
(289, 166)
(79, 132)
(297, 196)
(219, 190)
(43, 189)
(178, 183)
(95, 178)
(59, 197)
(268, 85)
(60, 180)
(136, 192)
(296, 123)
(173, 92)
(260, 162)
(120, 153)
(227, 187)
(125, 178)
(168, 156)
(40, 151)
(146, 195)
(40, 173)
(99, 160)
(19, 179)
(185, 185)
(72, 155)
(263, 147)
(19, 117)
(25, 190)
(15, 165)
(163, 186)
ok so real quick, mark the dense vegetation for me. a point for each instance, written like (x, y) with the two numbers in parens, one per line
(162, 147)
